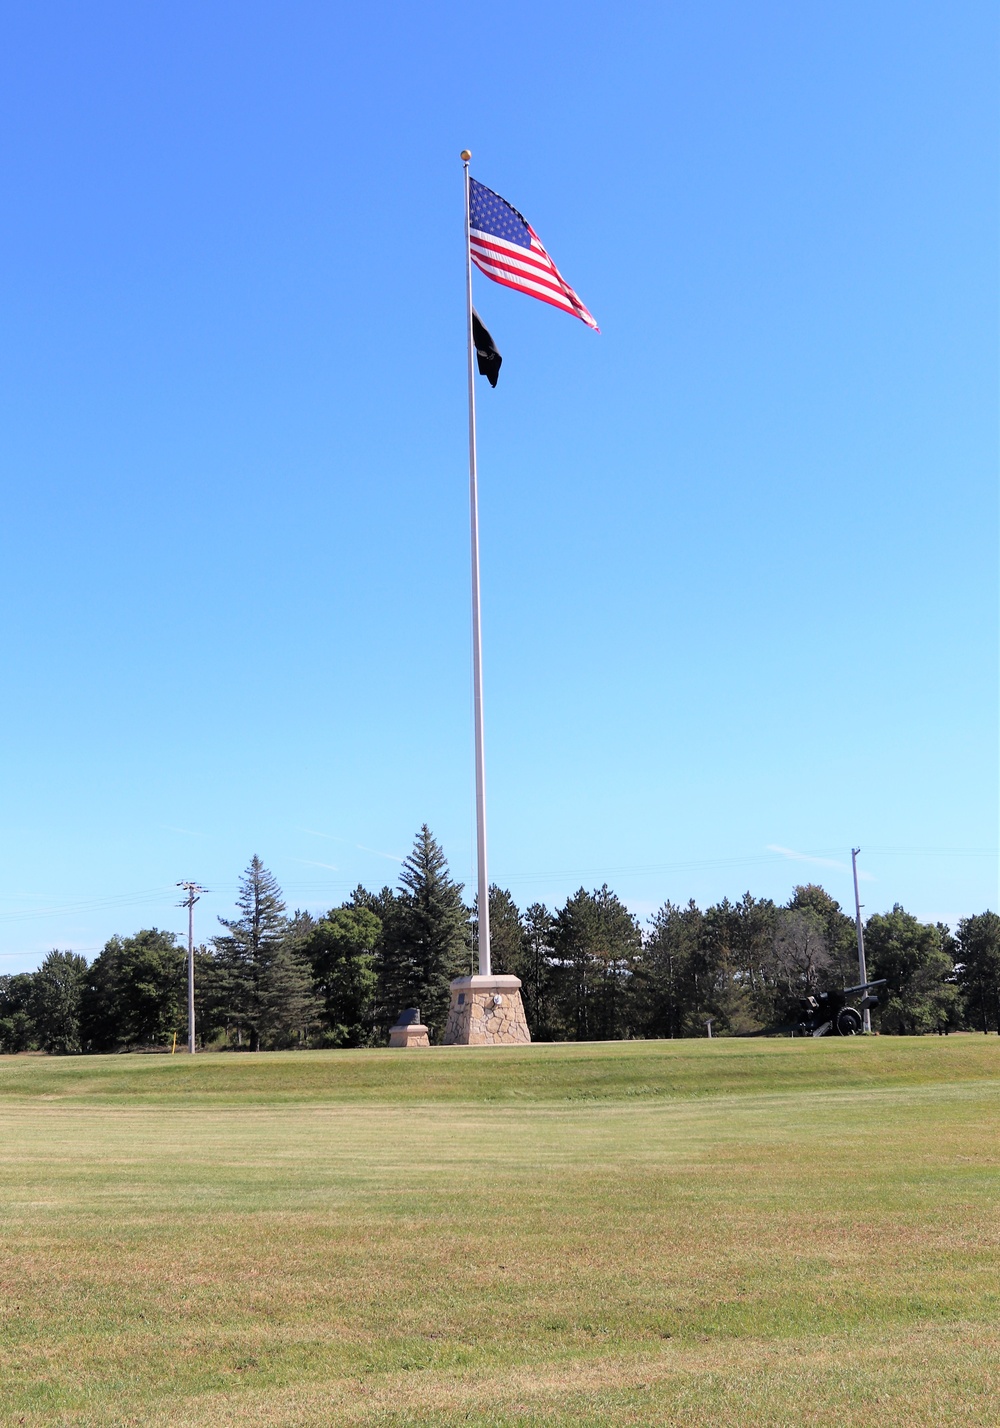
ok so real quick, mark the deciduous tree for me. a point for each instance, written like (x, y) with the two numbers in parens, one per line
(56, 996)
(340, 950)
(839, 931)
(134, 993)
(920, 994)
(17, 1022)
(801, 951)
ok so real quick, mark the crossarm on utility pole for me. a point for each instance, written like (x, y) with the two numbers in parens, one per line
(193, 891)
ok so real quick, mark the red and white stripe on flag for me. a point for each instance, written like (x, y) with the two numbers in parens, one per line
(507, 249)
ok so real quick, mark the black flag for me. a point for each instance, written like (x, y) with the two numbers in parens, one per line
(488, 357)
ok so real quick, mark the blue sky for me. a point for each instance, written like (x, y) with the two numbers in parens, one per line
(739, 549)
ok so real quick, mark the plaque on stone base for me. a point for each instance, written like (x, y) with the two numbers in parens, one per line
(486, 1011)
(409, 1030)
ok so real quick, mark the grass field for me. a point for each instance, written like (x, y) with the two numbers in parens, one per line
(765, 1232)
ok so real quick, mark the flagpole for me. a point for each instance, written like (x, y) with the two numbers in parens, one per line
(483, 888)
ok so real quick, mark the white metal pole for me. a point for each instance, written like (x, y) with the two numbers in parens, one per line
(863, 974)
(477, 652)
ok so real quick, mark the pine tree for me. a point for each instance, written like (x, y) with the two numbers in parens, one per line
(247, 952)
(672, 985)
(753, 928)
(508, 946)
(723, 962)
(597, 942)
(520, 946)
(426, 942)
(289, 1006)
(979, 970)
(537, 974)
(390, 983)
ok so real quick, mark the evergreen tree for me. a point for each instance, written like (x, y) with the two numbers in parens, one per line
(380, 904)
(211, 996)
(341, 952)
(390, 965)
(726, 979)
(668, 981)
(979, 970)
(521, 946)
(289, 1008)
(298, 929)
(426, 939)
(700, 965)
(753, 928)
(597, 943)
(537, 974)
(507, 936)
(247, 951)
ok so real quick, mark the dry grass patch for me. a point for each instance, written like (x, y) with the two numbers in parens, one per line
(925, 1378)
(769, 1257)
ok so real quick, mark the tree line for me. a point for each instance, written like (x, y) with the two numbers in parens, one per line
(589, 970)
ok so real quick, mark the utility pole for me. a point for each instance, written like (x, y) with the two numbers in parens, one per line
(193, 892)
(862, 970)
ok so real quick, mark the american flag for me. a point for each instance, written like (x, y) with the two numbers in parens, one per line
(507, 249)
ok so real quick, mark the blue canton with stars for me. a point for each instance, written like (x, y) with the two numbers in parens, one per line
(489, 213)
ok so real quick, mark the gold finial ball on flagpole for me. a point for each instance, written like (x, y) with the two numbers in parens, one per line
(465, 155)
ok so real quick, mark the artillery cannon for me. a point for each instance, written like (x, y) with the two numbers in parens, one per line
(831, 1012)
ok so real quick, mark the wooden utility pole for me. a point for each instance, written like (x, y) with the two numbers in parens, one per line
(193, 892)
(863, 973)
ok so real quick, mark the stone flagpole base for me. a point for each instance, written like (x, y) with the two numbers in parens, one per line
(486, 1011)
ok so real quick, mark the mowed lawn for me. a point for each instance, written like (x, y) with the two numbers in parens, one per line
(726, 1232)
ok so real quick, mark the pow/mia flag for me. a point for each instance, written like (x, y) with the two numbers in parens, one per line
(487, 356)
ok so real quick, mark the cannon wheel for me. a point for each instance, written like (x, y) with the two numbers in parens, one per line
(848, 1021)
